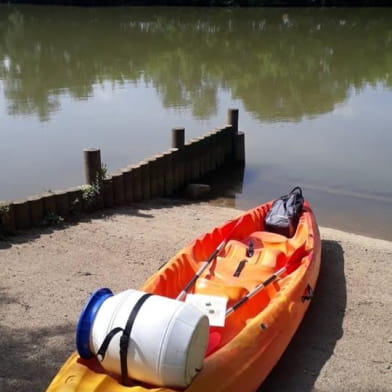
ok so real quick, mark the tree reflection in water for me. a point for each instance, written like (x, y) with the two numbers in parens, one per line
(282, 64)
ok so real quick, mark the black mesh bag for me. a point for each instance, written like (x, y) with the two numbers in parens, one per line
(284, 214)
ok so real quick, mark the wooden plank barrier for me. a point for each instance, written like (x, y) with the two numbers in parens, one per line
(160, 175)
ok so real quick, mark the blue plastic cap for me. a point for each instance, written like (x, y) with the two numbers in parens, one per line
(86, 319)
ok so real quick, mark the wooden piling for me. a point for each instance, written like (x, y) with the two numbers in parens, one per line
(137, 182)
(195, 159)
(239, 148)
(153, 175)
(160, 172)
(175, 167)
(232, 119)
(181, 159)
(214, 149)
(128, 184)
(199, 156)
(49, 203)
(227, 144)
(7, 219)
(204, 157)
(187, 159)
(118, 188)
(62, 203)
(210, 152)
(36, 210)
(22, 214)
(145, 180)
(178, 137)
(74, 201)
(92, 164)
(107, 190)
(168, 173)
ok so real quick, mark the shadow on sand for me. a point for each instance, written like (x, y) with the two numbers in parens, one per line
(31, 356)
(315, 340)
(22, 236)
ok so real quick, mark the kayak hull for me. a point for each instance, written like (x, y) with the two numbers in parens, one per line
(256, 334)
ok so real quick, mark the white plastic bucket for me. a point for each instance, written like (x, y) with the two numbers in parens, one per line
(167, 342)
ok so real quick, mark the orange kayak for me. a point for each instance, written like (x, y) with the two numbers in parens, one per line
(243, 352)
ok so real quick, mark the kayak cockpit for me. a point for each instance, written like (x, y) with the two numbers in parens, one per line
(244, 262)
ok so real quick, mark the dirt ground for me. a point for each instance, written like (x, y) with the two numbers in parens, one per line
(343, 344)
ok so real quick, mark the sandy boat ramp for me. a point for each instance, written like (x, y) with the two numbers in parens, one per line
(343, 344)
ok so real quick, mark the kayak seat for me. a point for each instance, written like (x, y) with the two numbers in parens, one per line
(269, 258)
(267, 239)
(233, 274)
(215, 286)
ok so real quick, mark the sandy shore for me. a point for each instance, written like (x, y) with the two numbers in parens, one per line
(343, 344)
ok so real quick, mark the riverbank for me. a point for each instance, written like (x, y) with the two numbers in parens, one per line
(343, 344)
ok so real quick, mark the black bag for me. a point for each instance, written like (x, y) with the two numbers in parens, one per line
(284, 214)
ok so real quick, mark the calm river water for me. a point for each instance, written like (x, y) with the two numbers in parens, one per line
(313, 87)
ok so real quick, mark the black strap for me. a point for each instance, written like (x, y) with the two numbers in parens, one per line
(124, 340)
(239, 268)
(105, 344)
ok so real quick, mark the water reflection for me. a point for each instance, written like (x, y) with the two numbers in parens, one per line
(313, 87)
(283, 65)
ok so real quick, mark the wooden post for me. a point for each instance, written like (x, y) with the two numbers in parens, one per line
(36, 210)
(195, 159)
(145, 179)
(153, 175)
(178, 143)
(201, 155)
(219, 148)
(7, 219)
(205, 152)
(187, 159)
(180, 158)
(49, 203)
(175, 161)
(239, 148)
(160, 168)
(168, 173)
(62, 203)
(92, 164)
(214, 149)
(137, 182)
(118, 189)
(128, 184)
(108, 194)
(232, 119)
(22, 214)
(74, 200)
(209, 152)
(178, 137)
(230, 149)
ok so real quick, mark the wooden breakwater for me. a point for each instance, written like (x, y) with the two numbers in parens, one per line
(158, 176)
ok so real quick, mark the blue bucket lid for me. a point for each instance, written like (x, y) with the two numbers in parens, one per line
(86, 319)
